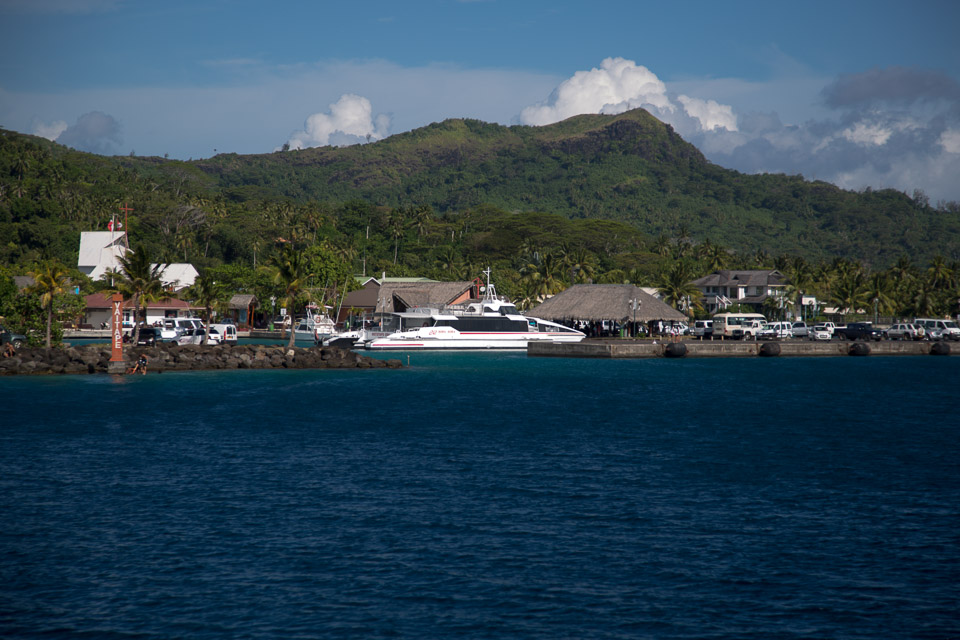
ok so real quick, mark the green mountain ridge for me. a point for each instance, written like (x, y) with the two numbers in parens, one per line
(624, 179)
(629, 167)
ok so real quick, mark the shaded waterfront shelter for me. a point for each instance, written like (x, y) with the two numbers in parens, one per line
(596, 303)
(397, 297)
(241, 308)
(390, 295)
(365, 299)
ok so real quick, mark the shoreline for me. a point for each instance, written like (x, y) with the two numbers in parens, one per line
(598, 348)
(95, 358)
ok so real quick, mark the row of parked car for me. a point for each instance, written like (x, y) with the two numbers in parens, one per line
(185, 331)
(919, 329)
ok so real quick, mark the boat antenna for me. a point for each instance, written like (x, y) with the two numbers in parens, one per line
(489, 294)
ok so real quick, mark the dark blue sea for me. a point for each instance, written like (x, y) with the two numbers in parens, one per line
(486, 495)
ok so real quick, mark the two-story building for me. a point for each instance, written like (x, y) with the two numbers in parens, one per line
(724, 288)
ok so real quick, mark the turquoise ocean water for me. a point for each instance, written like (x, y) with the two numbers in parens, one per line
(486, 495)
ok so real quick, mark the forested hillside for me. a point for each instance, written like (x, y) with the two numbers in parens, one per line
(593, 198)
(629, 168)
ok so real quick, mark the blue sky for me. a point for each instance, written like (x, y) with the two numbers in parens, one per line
(857, 93)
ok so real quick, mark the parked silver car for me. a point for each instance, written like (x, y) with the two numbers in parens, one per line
(820, 332)
(195, 336)
(905, 331)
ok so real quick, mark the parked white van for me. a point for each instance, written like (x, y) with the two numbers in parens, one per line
(228, 333)
(703, 328)
(776, 330)
(934, 326)
(738, 326)
(181, 324)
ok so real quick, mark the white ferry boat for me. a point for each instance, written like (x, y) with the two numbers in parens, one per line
(491, 323)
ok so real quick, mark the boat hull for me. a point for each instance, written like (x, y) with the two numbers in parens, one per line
(464, 342)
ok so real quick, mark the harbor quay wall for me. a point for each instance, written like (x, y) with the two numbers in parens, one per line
(95, 358)
(732, 349)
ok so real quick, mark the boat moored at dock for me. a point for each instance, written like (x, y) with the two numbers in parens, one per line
(490, 323)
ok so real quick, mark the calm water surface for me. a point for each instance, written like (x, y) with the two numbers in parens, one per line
(486, 496)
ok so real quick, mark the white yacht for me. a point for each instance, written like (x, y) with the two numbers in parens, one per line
(491, 323)
(314, 328)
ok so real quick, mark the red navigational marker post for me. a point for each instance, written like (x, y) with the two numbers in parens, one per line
(116, 329)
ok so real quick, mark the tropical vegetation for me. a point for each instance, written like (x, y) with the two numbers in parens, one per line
(591, 199)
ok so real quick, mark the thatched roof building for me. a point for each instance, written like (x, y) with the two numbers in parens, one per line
(605, 302)
(403, 296)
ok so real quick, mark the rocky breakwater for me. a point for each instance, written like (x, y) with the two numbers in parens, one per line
(171, 357)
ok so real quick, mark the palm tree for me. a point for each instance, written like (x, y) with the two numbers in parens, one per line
(716, 258)
(676, 288)
(209, 295)
(703, 249)
(614, 276)
(639, 277)
(422, 217)
(661, 246)
(800, 277)
(880, 293)
(292, 272)
(851, 291)
(938, 273)
(924, 299)
(184, 241)
(581, 265)
(544, 278)
(449, 260)
(396, 224)
(761, 258)
(139, 280)
(529, 250)
(50, 281)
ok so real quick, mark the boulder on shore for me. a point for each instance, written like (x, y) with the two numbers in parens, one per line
(95, 358)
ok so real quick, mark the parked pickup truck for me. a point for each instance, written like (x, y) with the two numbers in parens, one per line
(16, 339)
(749, 329)
(858, 331)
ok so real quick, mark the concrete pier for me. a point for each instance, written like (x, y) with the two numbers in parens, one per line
(731, 349)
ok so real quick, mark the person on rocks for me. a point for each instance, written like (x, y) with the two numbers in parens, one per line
(141, 366)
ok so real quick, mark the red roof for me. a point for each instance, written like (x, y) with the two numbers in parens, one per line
(102, 301)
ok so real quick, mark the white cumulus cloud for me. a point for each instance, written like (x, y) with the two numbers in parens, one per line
(350, 121)
(882, 128)
(950, 140)
(710, 114)
(619, 85)
(50, 131)
(867, 133)
(96, 132)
